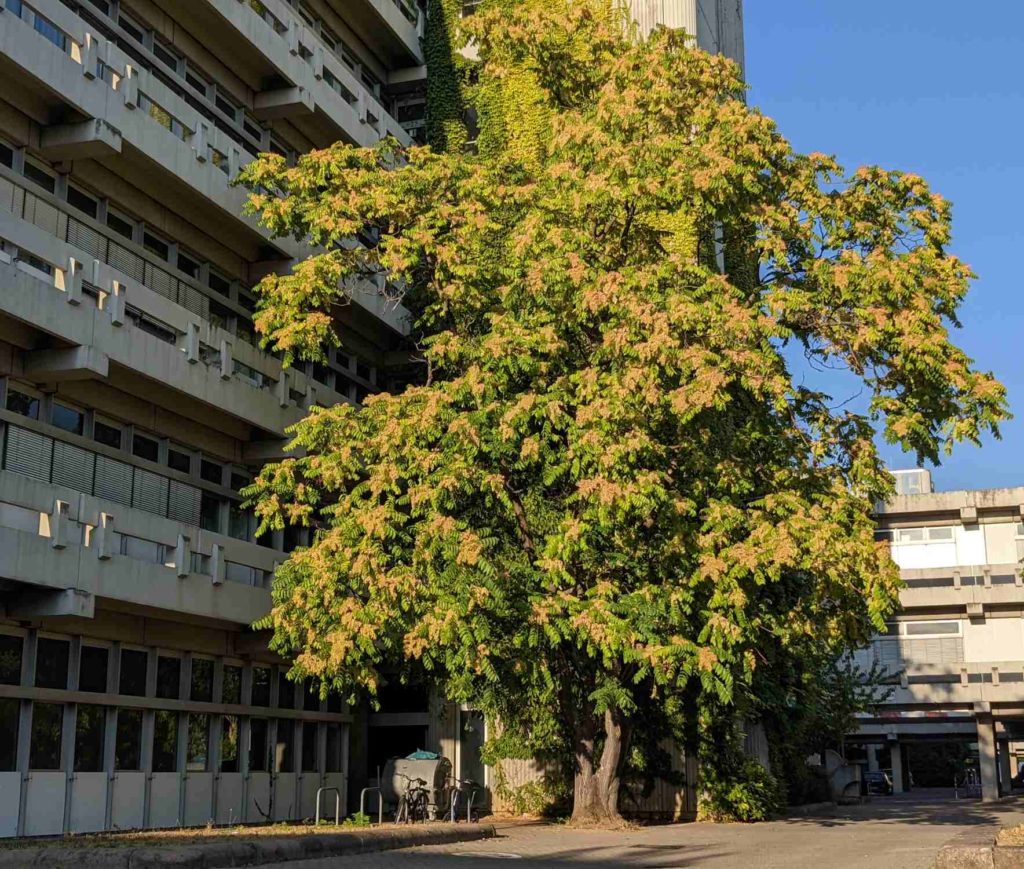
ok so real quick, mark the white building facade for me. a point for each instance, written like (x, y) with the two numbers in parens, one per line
(956, 649)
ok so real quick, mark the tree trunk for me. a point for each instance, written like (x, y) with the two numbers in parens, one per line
(597, 781)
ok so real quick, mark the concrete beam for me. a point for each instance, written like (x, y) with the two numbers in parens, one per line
(62, 602)
(252, 642)
(93, 138)
(283, 103)
(73, 363)
(266, 451)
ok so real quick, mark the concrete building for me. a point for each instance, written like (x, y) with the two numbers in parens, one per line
(716, 24)
(134, 403)
(956, 649)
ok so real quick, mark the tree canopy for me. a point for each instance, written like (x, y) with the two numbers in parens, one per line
(611, 497)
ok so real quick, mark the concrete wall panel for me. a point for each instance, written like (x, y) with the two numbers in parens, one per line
(44, 803)
(257, 797)
(165, 791)
(198, 798)
(286, 804)
(128, 801)
(10, 803)
(88, 802)
(230, 798)
(309, 783)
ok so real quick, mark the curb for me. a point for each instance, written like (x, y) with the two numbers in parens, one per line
(254, 851)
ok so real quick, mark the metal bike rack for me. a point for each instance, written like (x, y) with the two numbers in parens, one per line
(380, 803)
(337, 804)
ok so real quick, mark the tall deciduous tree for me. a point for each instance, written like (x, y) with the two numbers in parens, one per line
(611, 492)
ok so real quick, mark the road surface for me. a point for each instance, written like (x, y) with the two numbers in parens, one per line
(889, 833)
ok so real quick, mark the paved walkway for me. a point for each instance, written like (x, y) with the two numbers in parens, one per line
(889, 833)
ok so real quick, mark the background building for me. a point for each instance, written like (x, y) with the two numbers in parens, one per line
(956, 649)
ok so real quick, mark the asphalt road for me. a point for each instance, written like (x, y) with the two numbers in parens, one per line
(889, 833)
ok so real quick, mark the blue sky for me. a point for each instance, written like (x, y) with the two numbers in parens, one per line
(920, 86)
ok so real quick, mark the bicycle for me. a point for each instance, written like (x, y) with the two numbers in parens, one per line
(463, 793)
(413, 802)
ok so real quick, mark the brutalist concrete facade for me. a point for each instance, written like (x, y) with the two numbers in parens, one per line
(135, 403)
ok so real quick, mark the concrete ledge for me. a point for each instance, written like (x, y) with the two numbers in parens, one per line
(972, 849)
(244, 851)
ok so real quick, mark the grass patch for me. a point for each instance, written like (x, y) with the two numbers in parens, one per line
(1011, 835)
(189, 836)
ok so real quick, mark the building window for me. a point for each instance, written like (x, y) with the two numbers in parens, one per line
(34, 172)
(168, 677)
(258, 745)
(92, 670)
(209, 512)
(47, 733)
(82, 201)
(6, 155)
(260, 686)
(52, 663)
(229, 743)
(68, 418)
(165, 741)
(198, 758)
(334, 761)
(133, 672)
(10, 659)
(107, 433)
(145, 448)
(211, 472)
(121, 224)
(23, 403)
(202, 680)
(917, 629)
(156, 245)
(10, 717)
(285, 691)
(90, 726)
(231, 687)
(188, 264)
(284, 760)
(310, 696)
(178, 460)
(310, 748)
(167, 54)
(128, 750)
(239, 522)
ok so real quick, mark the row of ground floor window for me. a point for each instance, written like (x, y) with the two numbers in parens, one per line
(98, 734)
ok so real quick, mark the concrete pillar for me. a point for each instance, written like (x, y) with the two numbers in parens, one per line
(897, 767)
(987, 757)
(1005, 769)
(872, 751)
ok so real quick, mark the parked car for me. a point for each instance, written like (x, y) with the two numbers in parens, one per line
(878, 783)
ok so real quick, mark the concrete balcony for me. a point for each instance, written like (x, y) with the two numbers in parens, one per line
(960, 684)
(118, 351)
(970, 588)
(159, 138)
(55, 541)
(319, 94)
(402, 22)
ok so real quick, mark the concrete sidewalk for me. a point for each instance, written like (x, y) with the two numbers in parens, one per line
(902, 832)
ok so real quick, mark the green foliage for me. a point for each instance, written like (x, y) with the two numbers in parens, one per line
(358, 819)
(446, 76)
(742, 790)
(612, 494)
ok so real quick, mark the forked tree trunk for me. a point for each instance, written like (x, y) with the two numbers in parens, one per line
(597, 781)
